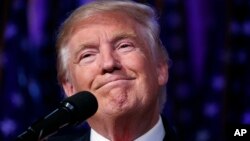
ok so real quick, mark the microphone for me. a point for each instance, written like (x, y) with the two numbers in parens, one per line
(72, 111)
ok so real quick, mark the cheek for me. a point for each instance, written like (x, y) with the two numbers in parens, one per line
(83, 77)
(144, 69)
(140, 64)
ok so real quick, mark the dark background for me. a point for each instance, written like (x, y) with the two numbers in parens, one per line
(208, 42)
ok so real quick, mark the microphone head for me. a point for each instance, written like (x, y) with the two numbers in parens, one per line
(81, 105)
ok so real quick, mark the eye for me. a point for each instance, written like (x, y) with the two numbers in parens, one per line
(86, 57)
(125, 47)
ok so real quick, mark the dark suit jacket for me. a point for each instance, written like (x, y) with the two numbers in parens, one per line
(170, 134)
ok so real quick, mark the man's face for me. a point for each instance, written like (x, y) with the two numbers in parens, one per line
(110, 57)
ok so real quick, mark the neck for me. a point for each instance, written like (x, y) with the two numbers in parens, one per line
(125, 128)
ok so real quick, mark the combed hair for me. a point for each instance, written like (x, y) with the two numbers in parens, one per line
(143, 14)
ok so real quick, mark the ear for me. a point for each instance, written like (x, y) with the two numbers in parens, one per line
(68, 88)
(162, 72)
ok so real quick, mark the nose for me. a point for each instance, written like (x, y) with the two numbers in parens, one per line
(110, 62)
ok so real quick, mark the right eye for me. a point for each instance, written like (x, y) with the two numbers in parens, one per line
(87, 57)
(84, 56)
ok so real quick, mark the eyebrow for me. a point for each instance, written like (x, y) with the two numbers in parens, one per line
(118, 36)
(122, 35)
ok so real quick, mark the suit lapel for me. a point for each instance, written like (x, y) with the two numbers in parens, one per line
(85, 137)
(170, 134)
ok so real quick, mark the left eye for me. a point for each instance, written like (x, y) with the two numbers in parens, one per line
(125, 47)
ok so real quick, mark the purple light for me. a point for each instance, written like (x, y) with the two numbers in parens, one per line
(246, 118)
(10, 31)
(218, 83)
(211, 109)
(196, 25)
(34, 91)
(7, 126)
(246, 28)
(16, 100)
(36, 20)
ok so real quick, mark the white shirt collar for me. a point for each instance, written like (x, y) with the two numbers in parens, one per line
(94, 136)
(156, 133)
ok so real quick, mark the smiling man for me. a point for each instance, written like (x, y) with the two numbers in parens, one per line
(112, 49)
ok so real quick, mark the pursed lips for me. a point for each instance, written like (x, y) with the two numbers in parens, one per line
(110, 79)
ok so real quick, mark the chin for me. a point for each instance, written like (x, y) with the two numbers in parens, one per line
(117, 108)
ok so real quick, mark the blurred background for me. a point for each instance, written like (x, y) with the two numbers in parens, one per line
(208, 42)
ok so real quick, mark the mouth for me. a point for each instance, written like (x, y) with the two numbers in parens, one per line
(113, 80)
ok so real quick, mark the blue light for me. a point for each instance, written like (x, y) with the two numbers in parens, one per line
(10, 31)
(17, 100)
(22, 80)
(246, 118)
(211, 109)
(8, 127)
(34, 91)
(246, 28)
(218, 83)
